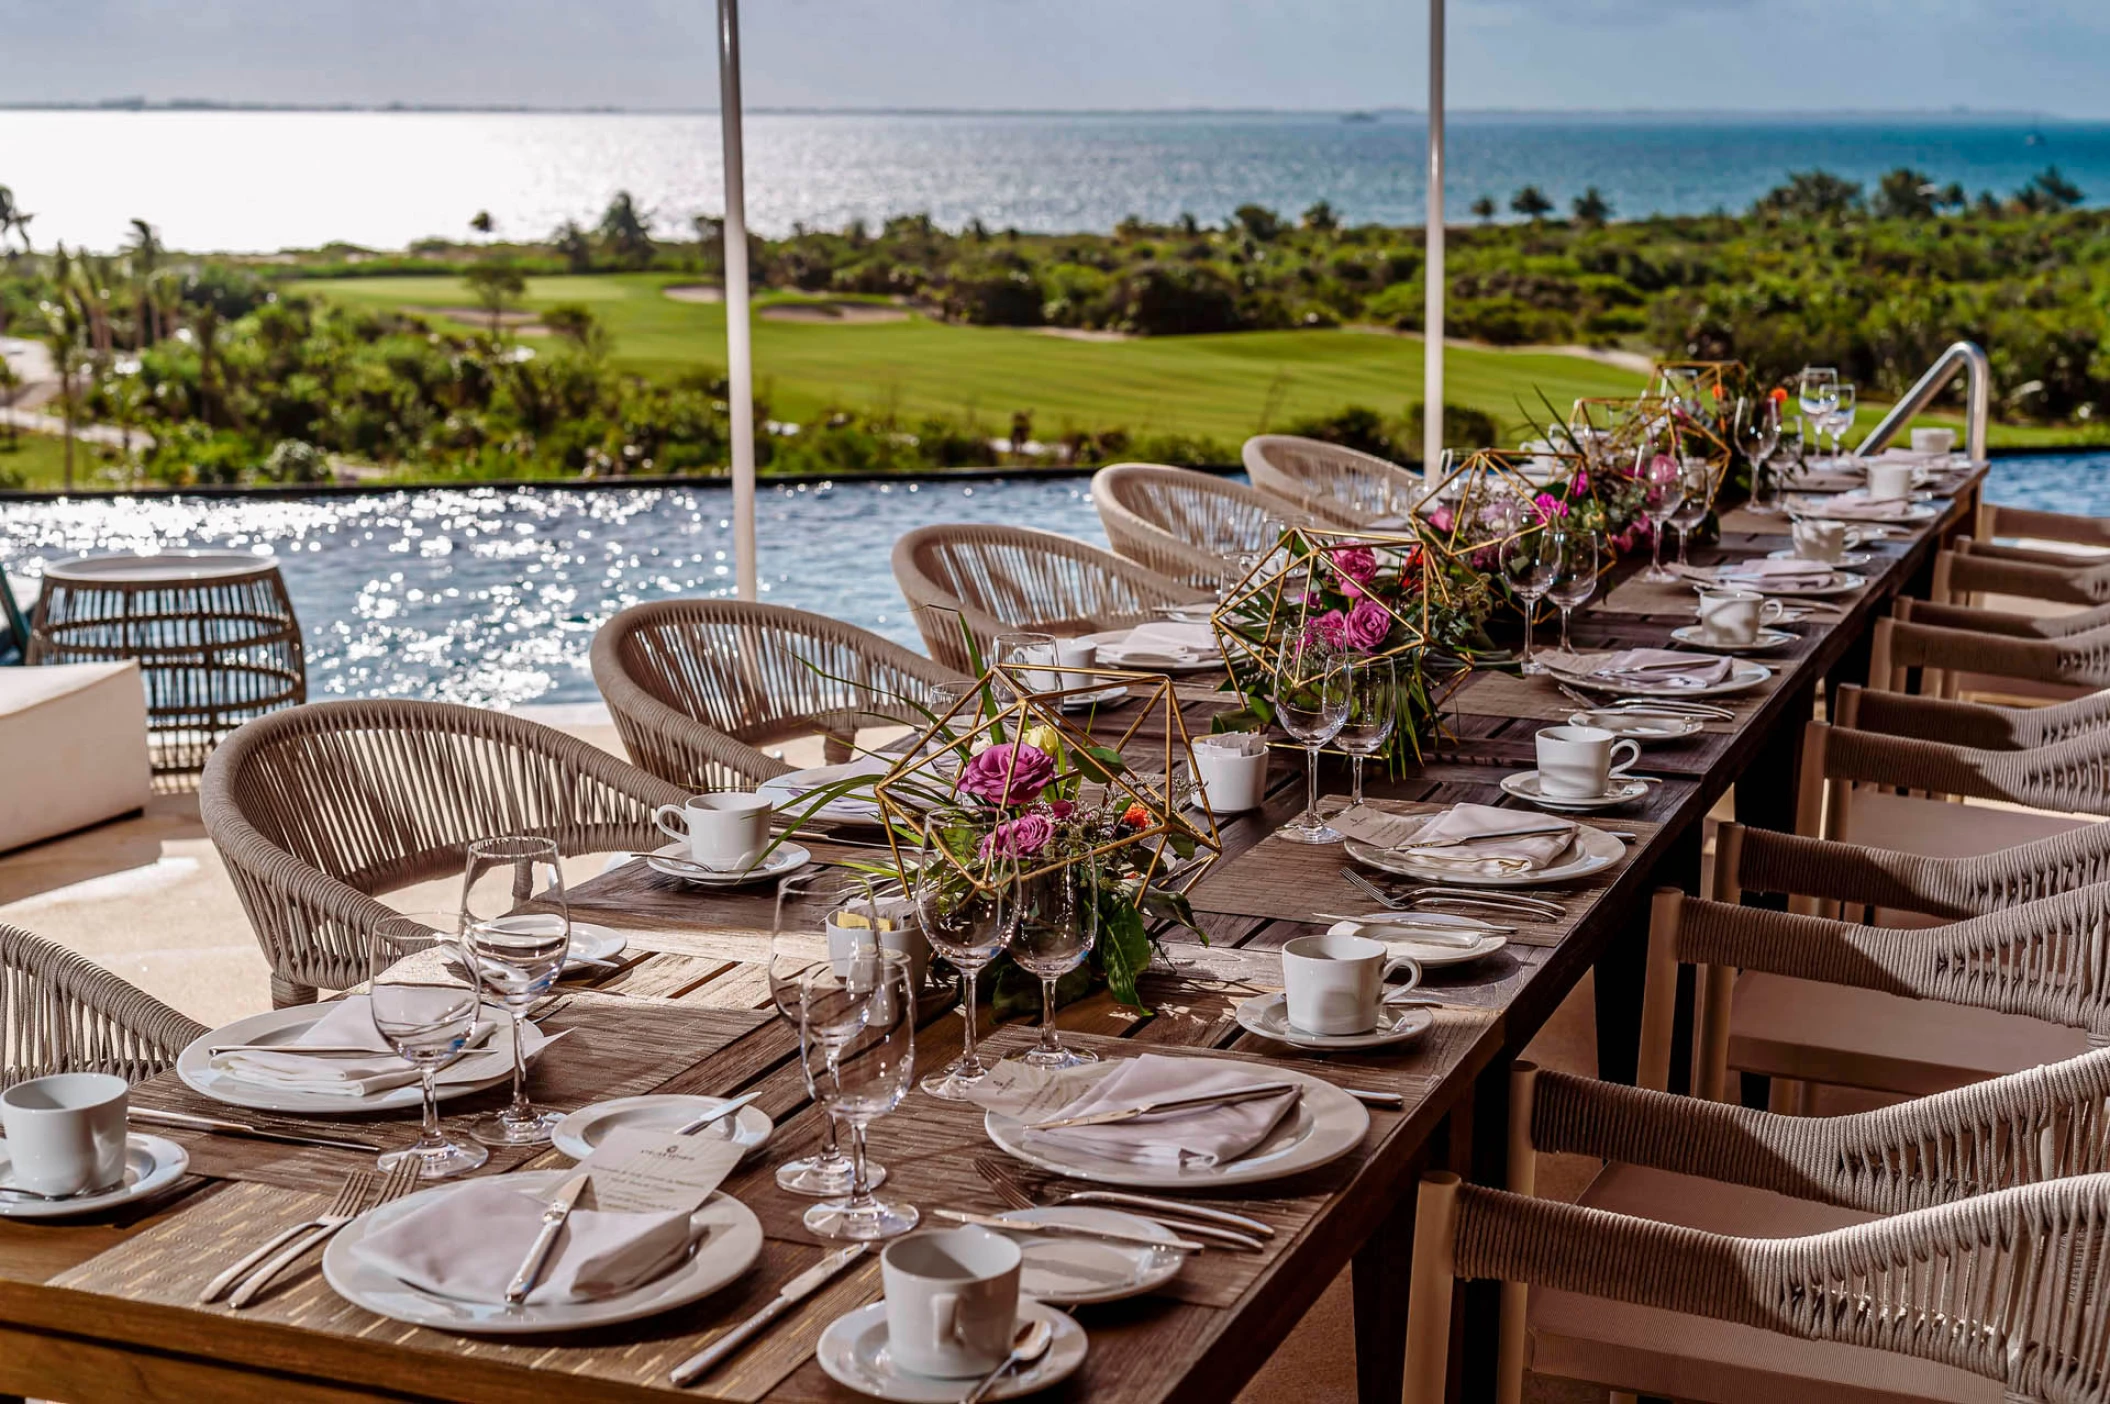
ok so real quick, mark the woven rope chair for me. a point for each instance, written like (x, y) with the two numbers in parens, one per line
(1995, 621)
(2068, 775)
(696, 687)
(2040, 1124)
(999, 578)
(2013, 1286)
(1187, 526)
(1339, 485)
(61, 1012)
(2008, 570)
(1995, 520)
(2077, 661)
(317, 808)
(1982, 725)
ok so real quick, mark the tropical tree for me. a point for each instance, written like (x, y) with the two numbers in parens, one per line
(482, 223)
(1484, 209)
(1591, 207)
(13, 219)
(2048, 192)
(1531, 202)
(1811, 195)
(577, 249)
(627, 231)
(575, 324)
(1260, 223)
(1905, 194)
(62, 332)
(496, 284)
(1321, 218)
(143, 255)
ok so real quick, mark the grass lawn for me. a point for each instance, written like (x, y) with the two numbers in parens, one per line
(38, 461)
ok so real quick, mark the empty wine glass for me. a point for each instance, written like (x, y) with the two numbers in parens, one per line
(1757, 435)
(425, 1002)
(1662, 493)
(1529, 564)
(1576, 579)
(1311, 703)
(516, 932)
(1054, 926)
(1373, 711)
(1841, 418)
(857, 1047)
(797, 947)
(1817, 391)
(964, 911)
(1014, 651)
(1698, 476)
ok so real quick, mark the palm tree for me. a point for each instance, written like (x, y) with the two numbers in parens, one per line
(1484, 209)
(143, 249)
(571, 241)
(627, 230)
(1591, 207)
(1531, 202)
(62, 333)
(496, 285)
(12, 218)
(482, 223)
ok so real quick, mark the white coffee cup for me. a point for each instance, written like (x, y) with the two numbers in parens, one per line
(1733, 617)
(726, 831)
(1889, 482)
(1334, 984)
(951, 1301)
(1064, 654)
(1819, 540)
(1577, 761)
(1231, 770)
(66, 1133)
(1934, 441)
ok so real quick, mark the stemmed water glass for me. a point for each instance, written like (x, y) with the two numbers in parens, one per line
(1817, 391)
(1757, 435)
(1055, 923)
(516, 933)
(1529, 564)
(857, 1046)
(425, 1002)
(1312, 687)
(964, 908)
(1841, 418)
(1576, 578)
(1698, 476)
(1023, 649)
(1373, 710)
(796, 949)
(1662, 480)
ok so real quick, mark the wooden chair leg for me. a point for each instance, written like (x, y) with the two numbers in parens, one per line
(1429, 1296)
(1659, 991)
(1515, 1330)
(284, 993)
(1787, 1097)
(1715, 989)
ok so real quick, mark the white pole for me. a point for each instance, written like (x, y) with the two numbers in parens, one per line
(739, 353)
(1432, 272)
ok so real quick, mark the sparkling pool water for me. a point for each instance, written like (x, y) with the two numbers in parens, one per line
(491, 597)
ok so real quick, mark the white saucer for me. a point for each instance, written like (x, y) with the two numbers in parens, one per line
(586, 1128)
(1268, 1016)
(1594, 850)
(853, 1351)
(1839, 582)
(593, 943)
(1641, 726)
(1850, 558)
(1692, 637)
(1085, 701)
(1524, 785)
(151, 1165)
(786, 857)
(1067, 1271)
(1156, 663)
(1426, 953)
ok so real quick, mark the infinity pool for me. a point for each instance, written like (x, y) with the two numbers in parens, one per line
(492, 597)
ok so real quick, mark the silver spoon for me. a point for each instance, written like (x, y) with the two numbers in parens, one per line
(89, 1193)
(1031, 1343)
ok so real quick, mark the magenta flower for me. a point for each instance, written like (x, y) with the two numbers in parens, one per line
(1361, 629)
(1010, 773)
(1358, 563)
(1017, 838)
(1441, 519)
(1581, 486)
(1549, 506)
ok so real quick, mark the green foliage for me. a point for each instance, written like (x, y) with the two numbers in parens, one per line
(1531, 202)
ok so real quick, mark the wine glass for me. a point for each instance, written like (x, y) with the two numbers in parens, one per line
(796, 949)
(857, 1047)
(1662, 493)
(1841, 418)
(1529, 564)
(516, 932)
(425, 1001)
(1698, 476)
(1054, 925)
(1817, 391)
(966, 917)
(1373, 711)
(1757, 435)
(1311, 703)
(1021, 648)
(1576, 578)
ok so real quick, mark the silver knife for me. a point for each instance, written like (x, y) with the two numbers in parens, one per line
(1150, 1203)
(1106, 1235)
(1467, 935)
(718, 1113)
(795, 1291)
(553, 1217)
(1165, 1104)
(187, 1121)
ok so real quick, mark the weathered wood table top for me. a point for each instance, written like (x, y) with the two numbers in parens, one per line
(105, 1310)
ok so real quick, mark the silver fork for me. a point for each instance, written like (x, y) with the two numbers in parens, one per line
(402, 1178)
(1173, 1215)
(350, 1195)
(1417, 898)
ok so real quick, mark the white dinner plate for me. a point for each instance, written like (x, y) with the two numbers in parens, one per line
(1641, 726)
(728, 1240)
(1426, 951)
(1069, 1271)
(1768, 639)
(487, 1067)
(1848, 558)
(673, 861)
(1854, 506)
(152, 1164)
(593, 943)
(788, 792)
(1742, 678)
(1191, 664)
(1524, 785)
(1326, 1125)
(1085, 701)
(853, 1351)
(586, 1128)
(1594, 851)
(1268, 1016)
(1840, 582)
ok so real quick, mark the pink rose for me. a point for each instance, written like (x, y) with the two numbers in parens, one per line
(1581, 486)
(1367, 625)
(1331, 628)
(1358, 563)
(1009, 773)
(1549, 506)
(1017, 838)
(1441, 518)
(1061, 809)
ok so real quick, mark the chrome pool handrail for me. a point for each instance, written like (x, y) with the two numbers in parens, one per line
(1978, 400)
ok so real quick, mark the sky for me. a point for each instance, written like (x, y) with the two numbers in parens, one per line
(2039, 56)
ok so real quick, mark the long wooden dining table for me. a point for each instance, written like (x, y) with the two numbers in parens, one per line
(105, 1310)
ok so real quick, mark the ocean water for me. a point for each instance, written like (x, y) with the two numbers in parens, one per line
(491, 597)
(383, 179)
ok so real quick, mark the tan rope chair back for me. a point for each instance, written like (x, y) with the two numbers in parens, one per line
(697, 687)
(1976, 724)
(1977, 568)
(998, 578)
(1341, 485)
(2013, 1286)
(61, 1012)
(1187, 526)
(1996, 520)
(1994, 621)
(2079, 660)
(318, 808)
(2073, 774)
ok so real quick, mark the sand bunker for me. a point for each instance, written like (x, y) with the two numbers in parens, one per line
(513, 320)
(1082, 334)
(694, 292)
(833, 313)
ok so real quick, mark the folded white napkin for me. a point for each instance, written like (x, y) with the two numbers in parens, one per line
(1478, 838)
(1208, 1136)
(1644, 667)
(1767, 571)
(1165, 639)
(468, 1244)
(801, 783)
(1851, 506)
(349, 1023)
